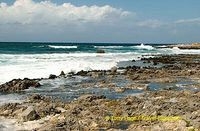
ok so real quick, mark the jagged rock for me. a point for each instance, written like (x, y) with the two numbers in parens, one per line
(188, 46)
(89, 112)
(7, 109)
(36, 97)
(62, 73)
(90, 97)
(51, 76)
(177, 125)
(113, 70)
(61, 109)
(95, 74)
(16, 85)
(29, 114)
(82, 73)
(71, 74)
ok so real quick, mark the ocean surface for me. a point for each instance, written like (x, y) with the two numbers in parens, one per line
(39, 60)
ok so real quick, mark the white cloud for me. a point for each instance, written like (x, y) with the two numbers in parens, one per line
(187, 21)
(46, 12)
(28, 20)
(150, 23)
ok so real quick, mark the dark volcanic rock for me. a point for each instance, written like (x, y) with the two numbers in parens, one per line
(51, 76)
(100, 51)
(16, 85)
(82, 73)
(62, 73)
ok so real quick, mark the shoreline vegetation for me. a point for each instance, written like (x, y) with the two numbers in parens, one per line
(97, 112)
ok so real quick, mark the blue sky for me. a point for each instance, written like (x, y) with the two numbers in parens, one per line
(148, 21)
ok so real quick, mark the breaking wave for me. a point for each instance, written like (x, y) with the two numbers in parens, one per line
(62, 47)
(144, 47)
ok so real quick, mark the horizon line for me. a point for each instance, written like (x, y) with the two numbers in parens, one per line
(57, 42)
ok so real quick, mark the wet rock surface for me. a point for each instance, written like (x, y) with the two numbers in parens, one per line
(95, 112)
(18, 84)
(173, 65)
(178, 72)
(170, 90)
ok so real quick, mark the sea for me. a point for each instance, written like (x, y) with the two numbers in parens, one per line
(39, 60)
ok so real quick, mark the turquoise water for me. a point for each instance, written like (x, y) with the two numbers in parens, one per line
(39, 48)
(36, 60)
(39, 60)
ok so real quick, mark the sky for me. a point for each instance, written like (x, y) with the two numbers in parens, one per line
(129, 21)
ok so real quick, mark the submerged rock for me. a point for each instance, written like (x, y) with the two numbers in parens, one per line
(137, 86)
(100, 51)
(119, 90)
(16, 85)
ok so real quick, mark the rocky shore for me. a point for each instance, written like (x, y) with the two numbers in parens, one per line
(17, 85)
(187, 46)
(90, 112)
(158, 107)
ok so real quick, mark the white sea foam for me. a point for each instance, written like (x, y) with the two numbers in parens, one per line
(108, 47)
(162, 46)
(62, 47)
(145, 47)
(41, 65)
(176, 50)
(14, 66)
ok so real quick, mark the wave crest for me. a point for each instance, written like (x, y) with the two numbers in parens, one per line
(62, 47)
(105, 47)
(144, 47)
